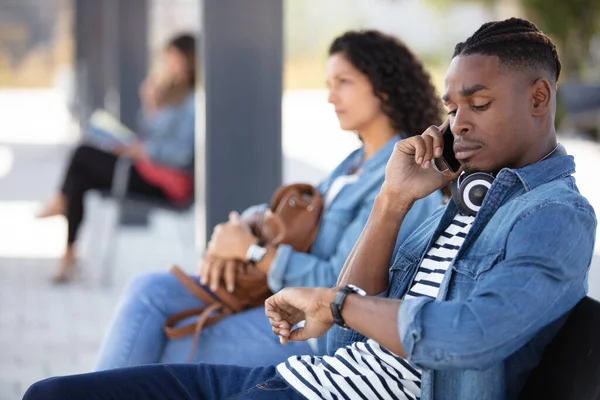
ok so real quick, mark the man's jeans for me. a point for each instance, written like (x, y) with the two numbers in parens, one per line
(136, 334)
(172, 382)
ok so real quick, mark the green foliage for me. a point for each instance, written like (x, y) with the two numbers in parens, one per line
(571, 23)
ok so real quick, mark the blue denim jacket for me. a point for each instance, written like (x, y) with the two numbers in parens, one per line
(342, 223)
(521, 268)
(168, 135)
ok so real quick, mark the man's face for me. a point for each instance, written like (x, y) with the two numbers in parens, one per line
(489, 110)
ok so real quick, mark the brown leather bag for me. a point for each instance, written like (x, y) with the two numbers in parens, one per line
(293, 219)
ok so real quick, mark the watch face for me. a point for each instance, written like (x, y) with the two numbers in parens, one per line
(357, 290)
(259, 253)
(256, 253)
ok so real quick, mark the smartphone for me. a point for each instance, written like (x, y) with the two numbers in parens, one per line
(448, 154)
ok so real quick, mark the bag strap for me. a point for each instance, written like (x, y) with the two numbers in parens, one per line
(205, 319)
(221, 295)
(195, 328)
(193, 286)
(182, 331)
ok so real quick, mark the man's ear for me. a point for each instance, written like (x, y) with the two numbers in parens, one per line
(541, 95)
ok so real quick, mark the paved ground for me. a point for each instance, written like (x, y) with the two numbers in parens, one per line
(47, 330)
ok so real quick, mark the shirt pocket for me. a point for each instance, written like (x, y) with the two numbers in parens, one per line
(472, 266)
(401, 271)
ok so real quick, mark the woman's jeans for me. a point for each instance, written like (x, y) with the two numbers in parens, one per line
(136, 335)
(172, 382)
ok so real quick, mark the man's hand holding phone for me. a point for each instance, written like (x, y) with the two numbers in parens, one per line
(411, 174)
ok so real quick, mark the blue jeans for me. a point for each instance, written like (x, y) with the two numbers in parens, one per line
(173, 382)
(136, 334)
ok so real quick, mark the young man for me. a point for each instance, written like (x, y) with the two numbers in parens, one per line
(472, 299)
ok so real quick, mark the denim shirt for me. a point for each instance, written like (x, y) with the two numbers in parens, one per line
(521, 268)
(342, 223)
(168, 135)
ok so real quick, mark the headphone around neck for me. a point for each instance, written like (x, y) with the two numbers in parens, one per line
(468, 191)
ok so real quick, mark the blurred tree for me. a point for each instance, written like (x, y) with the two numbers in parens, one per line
(572, 24)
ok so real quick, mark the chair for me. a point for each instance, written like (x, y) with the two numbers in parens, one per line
(131, 209)
(570, 366)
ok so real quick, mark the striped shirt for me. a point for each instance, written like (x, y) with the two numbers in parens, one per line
(439, 257)
(368, 370)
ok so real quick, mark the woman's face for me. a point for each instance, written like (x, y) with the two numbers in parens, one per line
(351, 94)
(175, 64)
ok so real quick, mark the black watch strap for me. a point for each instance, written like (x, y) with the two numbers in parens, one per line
(338, 303)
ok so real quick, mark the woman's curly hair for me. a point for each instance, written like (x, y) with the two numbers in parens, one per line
(398, 78)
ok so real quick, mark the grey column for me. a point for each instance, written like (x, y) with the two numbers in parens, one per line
(239, 157)
(111, 50)
(89, 56)
(133, 56)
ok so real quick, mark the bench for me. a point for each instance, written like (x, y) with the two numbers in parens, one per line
(570, 366)
(131, 210)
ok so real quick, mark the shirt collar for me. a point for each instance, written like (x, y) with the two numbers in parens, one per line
(534, 175)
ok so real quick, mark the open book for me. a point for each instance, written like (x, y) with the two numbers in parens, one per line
(108, 132)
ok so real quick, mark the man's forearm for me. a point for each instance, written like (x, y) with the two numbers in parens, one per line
(375, 318)
(368, 264)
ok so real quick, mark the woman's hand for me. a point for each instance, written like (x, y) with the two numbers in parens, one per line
(213, 270)
(134, 151)
(231, 240)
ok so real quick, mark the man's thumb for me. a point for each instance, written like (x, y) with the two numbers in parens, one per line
(298, 335)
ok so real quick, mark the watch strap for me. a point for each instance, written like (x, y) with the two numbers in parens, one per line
(338, 303)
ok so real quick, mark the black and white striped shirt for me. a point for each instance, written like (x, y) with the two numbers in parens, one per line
(367, 370)
(439, 257)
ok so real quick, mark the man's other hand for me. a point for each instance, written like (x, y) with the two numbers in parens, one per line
(293, 305)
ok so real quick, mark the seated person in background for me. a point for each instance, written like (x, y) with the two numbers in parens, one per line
(379, 90)
(474, 295)
(163, 151)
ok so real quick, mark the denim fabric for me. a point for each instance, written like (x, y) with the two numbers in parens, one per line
(167, 382)
(522, 267)
(342, 223)
(135, 336)
(168, 135)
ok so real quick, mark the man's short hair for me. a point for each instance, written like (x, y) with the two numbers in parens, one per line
(518, 43)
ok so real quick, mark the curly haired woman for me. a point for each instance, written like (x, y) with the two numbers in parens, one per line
(380, 91)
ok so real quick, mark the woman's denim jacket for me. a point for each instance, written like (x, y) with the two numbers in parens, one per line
(521, 268)
(168, 135)
(342, 223)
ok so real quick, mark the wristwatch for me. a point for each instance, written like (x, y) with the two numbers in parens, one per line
(256, 252)
(338, 303)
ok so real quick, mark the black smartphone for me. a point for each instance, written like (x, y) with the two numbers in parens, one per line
(448, 154)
